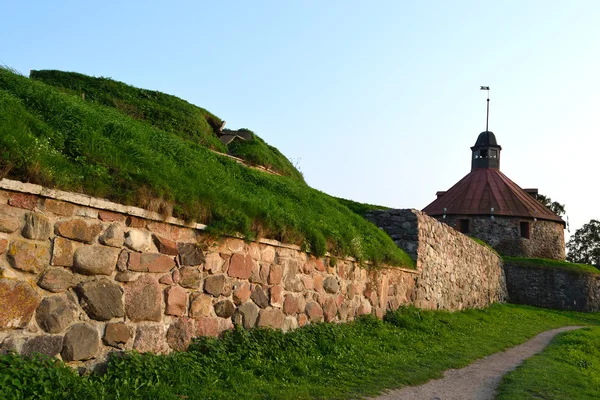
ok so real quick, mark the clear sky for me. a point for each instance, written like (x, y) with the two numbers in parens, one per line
(376, 101)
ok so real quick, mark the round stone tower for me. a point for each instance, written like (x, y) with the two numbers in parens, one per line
(487, 205)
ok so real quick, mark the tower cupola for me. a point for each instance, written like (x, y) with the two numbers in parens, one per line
(486, 152)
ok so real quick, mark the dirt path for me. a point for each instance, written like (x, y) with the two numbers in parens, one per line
(479, 380)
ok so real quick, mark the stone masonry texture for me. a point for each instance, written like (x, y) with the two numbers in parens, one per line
(79, 283)
(456, 272)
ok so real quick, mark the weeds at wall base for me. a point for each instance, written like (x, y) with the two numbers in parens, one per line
(317, 361)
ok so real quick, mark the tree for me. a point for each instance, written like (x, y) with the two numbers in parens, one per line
(555, 206)
(584, 245)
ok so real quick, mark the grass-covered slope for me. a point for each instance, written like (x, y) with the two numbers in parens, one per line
(168, 113)
(551, 264)
(567, 369)
(57, 139)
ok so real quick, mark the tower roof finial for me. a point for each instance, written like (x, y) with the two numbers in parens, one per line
(487, 117)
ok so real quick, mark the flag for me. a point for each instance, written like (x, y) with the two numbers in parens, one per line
(485, 88)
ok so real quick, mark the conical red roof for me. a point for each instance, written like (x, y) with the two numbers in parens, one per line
(484, 188)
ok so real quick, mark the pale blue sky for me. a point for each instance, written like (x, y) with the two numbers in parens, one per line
(377, 101)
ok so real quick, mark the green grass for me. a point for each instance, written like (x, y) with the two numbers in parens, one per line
(569, 368)
(257, 152)
(168, 113)
(551, 264)
(318, 361)
(361, 209)
(481, 242)
(59, 140)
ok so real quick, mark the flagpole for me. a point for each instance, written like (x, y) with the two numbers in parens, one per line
(487, 118)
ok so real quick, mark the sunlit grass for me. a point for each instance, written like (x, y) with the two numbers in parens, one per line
(569, 368)
(60, 140)
(318, 361)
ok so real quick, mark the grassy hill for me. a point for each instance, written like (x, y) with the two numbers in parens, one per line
(142, 148)
(168, 113)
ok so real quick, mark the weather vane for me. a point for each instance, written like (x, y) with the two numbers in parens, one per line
(487, 118)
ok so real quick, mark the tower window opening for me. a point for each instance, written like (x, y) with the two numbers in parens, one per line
(493, 154)
(463, 225)
(483, 153)
(525, 231)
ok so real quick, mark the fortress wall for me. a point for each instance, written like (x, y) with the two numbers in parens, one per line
(546, 240)
(456, 272)
(81, 277)
(552, 288)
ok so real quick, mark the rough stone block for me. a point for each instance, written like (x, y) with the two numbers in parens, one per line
(58, 207)
(329, 310)
(308, 282)
(166, 246)
(275, 275)
(28, 256)
(57, 280)
(117, 334)
(276, 296)
(10, 219)
(143, 299)
(23, 200)
(241, 292)
(213, 263)
(126, 276)
(189, 277)
(314, 311)
(3, 245)
(55, 313)
(240, 266)
(166, 280)
(318, 283)
(78, 229)
(109, 216)
(139, 240)
(95, 260)
(289, 324)
(201, 306)
(291, 304)
(150, 262)
(101, 299)
(135, 222)
(37, 226)
(292, 281)
(224, 309)
(150, 338)
(113, 236)
(62, 252)
(246, 315)
(319, 265)
(214, 284)
(176, 300)
(331, 285)
(267, 254)
(180, 333)
(259, 297)
(207, 326)
(18, 302)
(47, 345)
(271, 317)
(190, 254)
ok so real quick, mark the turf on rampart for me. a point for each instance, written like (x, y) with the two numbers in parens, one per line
(57, 139)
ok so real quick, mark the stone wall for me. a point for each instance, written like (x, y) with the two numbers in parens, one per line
(552, 288)
(456, 272)
(82, 277)
(546, 238)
